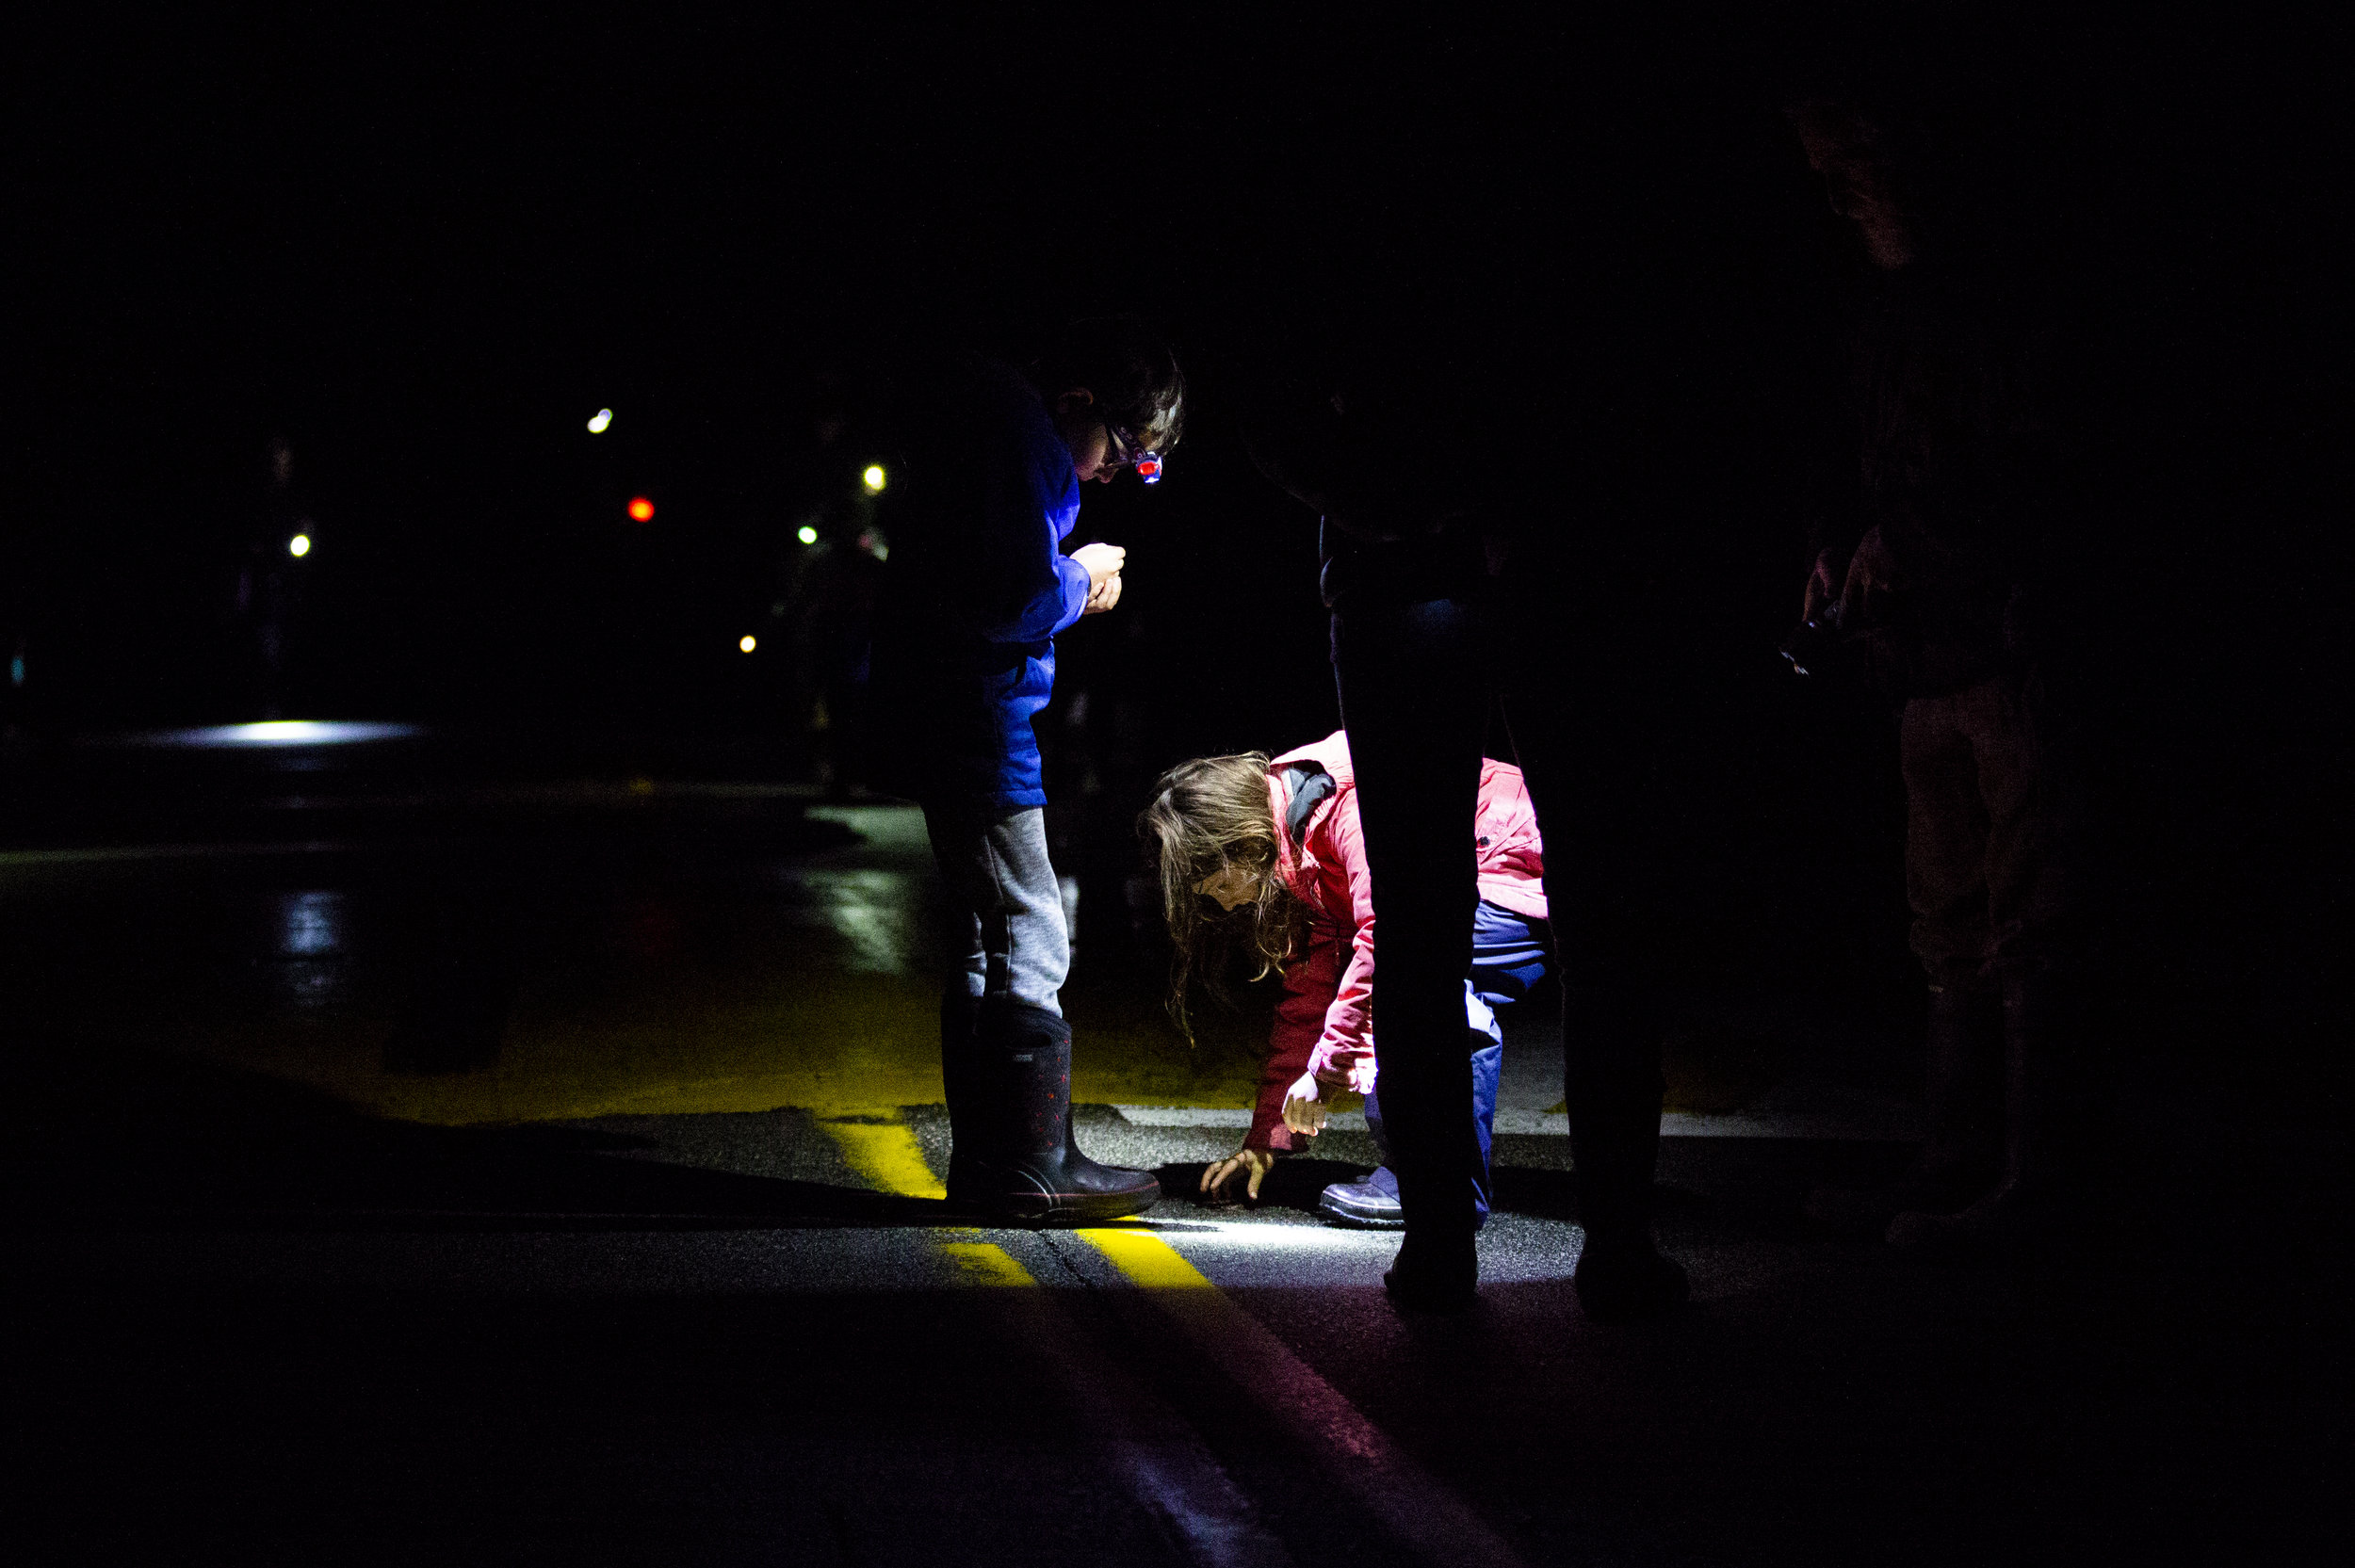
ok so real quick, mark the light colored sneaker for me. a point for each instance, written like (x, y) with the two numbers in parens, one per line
(1370, 1205)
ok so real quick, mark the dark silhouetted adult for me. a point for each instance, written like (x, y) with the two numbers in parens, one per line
(1395, 461)
(986, 488)
(1934, 576)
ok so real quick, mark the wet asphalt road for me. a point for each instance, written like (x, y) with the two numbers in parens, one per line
(284, 1292)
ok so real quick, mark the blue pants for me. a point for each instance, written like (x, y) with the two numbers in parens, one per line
(1508, 959)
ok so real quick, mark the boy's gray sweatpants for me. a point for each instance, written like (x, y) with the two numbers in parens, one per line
(1005, 920)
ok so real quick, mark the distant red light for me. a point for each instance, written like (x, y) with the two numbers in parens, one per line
(641, 510)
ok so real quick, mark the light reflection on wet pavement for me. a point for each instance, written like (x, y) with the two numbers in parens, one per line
(651, 953)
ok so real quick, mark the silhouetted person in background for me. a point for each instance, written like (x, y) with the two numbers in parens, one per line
(833, 614)
(266, 595)
(833, 548)
(1930, 579)
(987, 478)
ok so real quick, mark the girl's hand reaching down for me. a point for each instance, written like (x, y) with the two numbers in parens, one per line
(1258, 1162)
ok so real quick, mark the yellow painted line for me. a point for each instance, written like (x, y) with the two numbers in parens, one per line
(1146, 1259)
(884, 1151)
(984, 1263)
(886, 1154)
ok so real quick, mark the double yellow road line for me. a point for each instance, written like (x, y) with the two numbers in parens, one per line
(1422, 1512)
(883, 1150)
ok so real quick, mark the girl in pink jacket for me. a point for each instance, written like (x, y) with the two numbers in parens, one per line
(1268, 856)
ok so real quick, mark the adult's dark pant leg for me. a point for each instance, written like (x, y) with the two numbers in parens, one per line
(1946, 863)
(1991, 821)
(1586, 757)
(1414, 694)
(1486, 1057)
(2030, 786)
(1587, 779)
(1947, 843)
(1509, 956)
(1991, 798)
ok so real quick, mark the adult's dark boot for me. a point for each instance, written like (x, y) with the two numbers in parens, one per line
(1435, 1269)
(2020, 1202)
(1011, 1154)
(1614, 1089)
(1623, 1277)
(1957, 1162)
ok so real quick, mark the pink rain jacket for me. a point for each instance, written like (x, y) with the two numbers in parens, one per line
(1324, 1022)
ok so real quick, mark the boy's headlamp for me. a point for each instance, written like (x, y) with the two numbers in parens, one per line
(1125, 447)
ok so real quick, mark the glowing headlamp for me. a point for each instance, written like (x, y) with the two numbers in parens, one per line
(1127, 450)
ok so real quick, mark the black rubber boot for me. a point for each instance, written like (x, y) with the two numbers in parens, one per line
(1958, 1160)
(1624, 1278)
(1614, 1087)
(1011, 1156)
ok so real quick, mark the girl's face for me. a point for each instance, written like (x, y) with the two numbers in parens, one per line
(1231, 885)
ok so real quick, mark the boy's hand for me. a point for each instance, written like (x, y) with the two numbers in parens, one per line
(1871, 573)
(1822, 586)
(1304, 1106)
(1103, 563)
(1258, 1162)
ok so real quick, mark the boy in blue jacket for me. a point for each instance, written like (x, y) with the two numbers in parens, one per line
(976, 589)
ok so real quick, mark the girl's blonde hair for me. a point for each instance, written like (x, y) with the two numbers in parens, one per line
(1210, 816)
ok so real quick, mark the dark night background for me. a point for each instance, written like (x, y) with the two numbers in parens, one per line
(260, 1315)
(422, 249)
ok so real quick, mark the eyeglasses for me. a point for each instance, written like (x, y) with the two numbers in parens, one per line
(1127, 452)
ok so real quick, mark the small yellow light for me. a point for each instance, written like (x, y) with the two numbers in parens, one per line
(807, 534)
(748, 643)
(299, 546)
(601, 422)
(873, 478)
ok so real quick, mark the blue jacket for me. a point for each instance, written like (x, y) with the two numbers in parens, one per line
(975, 591)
